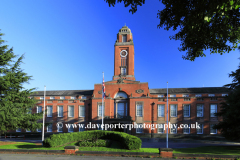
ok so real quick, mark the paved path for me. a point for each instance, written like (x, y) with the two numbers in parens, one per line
(69, 157)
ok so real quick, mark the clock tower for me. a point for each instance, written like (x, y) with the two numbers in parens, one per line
(124, 55)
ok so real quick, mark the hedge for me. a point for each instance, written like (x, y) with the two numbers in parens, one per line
(128, 141)
(97, 143)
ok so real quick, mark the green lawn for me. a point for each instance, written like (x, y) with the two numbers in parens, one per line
(227, 150)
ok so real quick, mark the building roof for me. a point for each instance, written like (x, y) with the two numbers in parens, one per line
(64, 93)
(190, 90)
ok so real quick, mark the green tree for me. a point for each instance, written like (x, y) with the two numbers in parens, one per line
(201, 24)
(15, 101)
(230, 109)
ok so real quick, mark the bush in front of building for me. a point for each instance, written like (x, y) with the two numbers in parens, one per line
(92, 143)
(128, 141)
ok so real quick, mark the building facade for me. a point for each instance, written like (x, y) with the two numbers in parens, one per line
(129, 102)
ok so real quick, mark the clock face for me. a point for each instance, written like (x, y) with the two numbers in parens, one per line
(123, 53)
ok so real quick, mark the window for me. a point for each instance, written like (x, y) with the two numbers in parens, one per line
(49, 111)
(173, 110)
(161, 110)
(186, 129)
(81, 111)
(70, 111)
(70, 129)
(123, 71)
(200, 130)
(62, 97)
(81, 128)
(39, 129)
(173, 129)
(52, 97)
(39, 109)
(124, 38)
(186, 110)
(211, 95)
(212, 131)
(121, 95)
(18, 130)
(84, 97)
(213, 110)
(198, 95)
(224, 95)
(60, 127)
(28, 130)
(42, 98)
(120, 110)
(29, 111)
(200, 110)
(73, 97)
(100, 110)
(49, 128)
(185, 95)
(160, 128)
(160, 95)
(139, 110)
(172, 95)
(60, 111)
(139, 128)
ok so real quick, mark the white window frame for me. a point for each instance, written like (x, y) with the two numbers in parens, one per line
(188, 131)
(171, 131)
(171, 109)
(124, 35)
(211, 125)
(42, 98)
(84, 97)
(49, 110)
(81, 129)
(62, 97)
(52, 97)
(215, 108)
(18, 130)
(199, 129)
(160, 108)
(80, 112)
(72, 97)
(49, 128)
(69, 111)
(172, 95)
(198, 95)
(139, 114)
(189, 107)
(38, 109)
(100, 110)
(139, 128)
(185, 95)
(58, 128)
(59, 110)
(162, 128)
(211, 95)
(71, 128)
(200, 105)
(160, 95)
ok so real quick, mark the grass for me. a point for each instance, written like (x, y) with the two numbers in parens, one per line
(220, 150)
(115, 147)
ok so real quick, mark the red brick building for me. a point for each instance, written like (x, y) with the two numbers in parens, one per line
(131, 102)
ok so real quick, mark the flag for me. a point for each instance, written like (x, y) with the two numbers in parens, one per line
(103, 89)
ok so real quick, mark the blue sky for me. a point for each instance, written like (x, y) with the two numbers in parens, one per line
(68, 44)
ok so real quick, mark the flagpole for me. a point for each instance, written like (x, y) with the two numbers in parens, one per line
(43, 114)
(167, 118)
(102, 99)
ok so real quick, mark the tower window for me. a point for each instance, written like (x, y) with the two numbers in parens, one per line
(123, 71)
(124, 38)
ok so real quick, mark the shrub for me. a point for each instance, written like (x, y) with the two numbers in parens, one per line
(98, 143)
(128, 141)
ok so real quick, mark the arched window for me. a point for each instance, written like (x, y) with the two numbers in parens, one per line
(121, 95)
